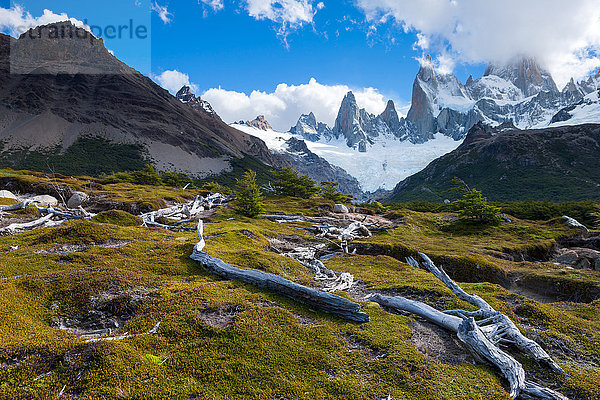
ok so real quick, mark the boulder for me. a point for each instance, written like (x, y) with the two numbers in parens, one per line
(580, 258)
(5, 194)
(77, 199)
(340, 209)
(44, 200)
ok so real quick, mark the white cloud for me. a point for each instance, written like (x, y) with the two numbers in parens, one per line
(173, 80)
(163, 13)
(216, 5)
(283, 106)
(15, 20)
(289, 14)
(565, 36)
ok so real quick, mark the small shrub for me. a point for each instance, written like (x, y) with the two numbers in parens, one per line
(215, 187)
(474, 207)
(176, 179)
(248, 199)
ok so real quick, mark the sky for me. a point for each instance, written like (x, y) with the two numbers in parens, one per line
(282, 58)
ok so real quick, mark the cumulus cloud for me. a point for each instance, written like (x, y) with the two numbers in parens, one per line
(15, 20)
(565, 36)
(163, 13)
(283, 106)
(173, 80)
(289, 14)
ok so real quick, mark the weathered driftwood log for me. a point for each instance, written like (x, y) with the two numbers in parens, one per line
(499, 327)
(574, 223)
(14, 207)
(315, 298)
(65, 215)
(16, 227)
(186, 212)
(481, 337)
(484, 350)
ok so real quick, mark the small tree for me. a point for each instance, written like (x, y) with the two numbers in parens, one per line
(248, 199)
(288, 182)
(329, 191)
(473, 206)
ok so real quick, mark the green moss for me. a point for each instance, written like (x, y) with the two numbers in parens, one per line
(117, 217)
(220, 339)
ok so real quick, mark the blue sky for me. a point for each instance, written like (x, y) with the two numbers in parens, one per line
(258, 56)
(234, 50)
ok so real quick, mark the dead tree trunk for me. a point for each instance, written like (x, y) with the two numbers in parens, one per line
(481, 337)
(315, 298)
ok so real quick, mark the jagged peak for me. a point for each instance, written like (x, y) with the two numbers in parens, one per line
(470, 80)
(525, 72)
(349, 98)
(260, 122)
(426, 71)
(185, 94)
(390, 106)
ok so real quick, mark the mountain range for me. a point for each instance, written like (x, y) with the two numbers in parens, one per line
(70, 106)
(520, 91)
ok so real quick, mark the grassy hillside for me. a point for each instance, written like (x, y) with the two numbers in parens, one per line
(226, 340)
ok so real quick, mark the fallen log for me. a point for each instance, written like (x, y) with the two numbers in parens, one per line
(481, 337)
(484, 350)
(501, 324)
(13, 228)
(14, 207)
(315, 298)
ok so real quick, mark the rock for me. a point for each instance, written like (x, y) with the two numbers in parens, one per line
(340, 209)
(5, 194)
(77, 199)
(580, 258)
(260, 123)
(44, 200)
(568, 257)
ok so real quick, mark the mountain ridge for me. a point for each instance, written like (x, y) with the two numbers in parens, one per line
(126, 108)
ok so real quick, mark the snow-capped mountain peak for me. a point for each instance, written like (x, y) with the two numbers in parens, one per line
(526, 74)
(309, 128)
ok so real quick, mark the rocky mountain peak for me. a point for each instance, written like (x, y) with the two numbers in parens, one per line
(390, 115)
(525, 73)
(349, 101)
(260, 123)
(426, 71)
(42, 50)
(185, 94)
(309, 128)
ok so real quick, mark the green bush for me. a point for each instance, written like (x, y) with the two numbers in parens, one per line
(248, 199)
(288, 182)
(176, 179)
(474, 207)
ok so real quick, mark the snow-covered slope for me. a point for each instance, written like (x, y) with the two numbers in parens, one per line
(586, 111)
(388, 161)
